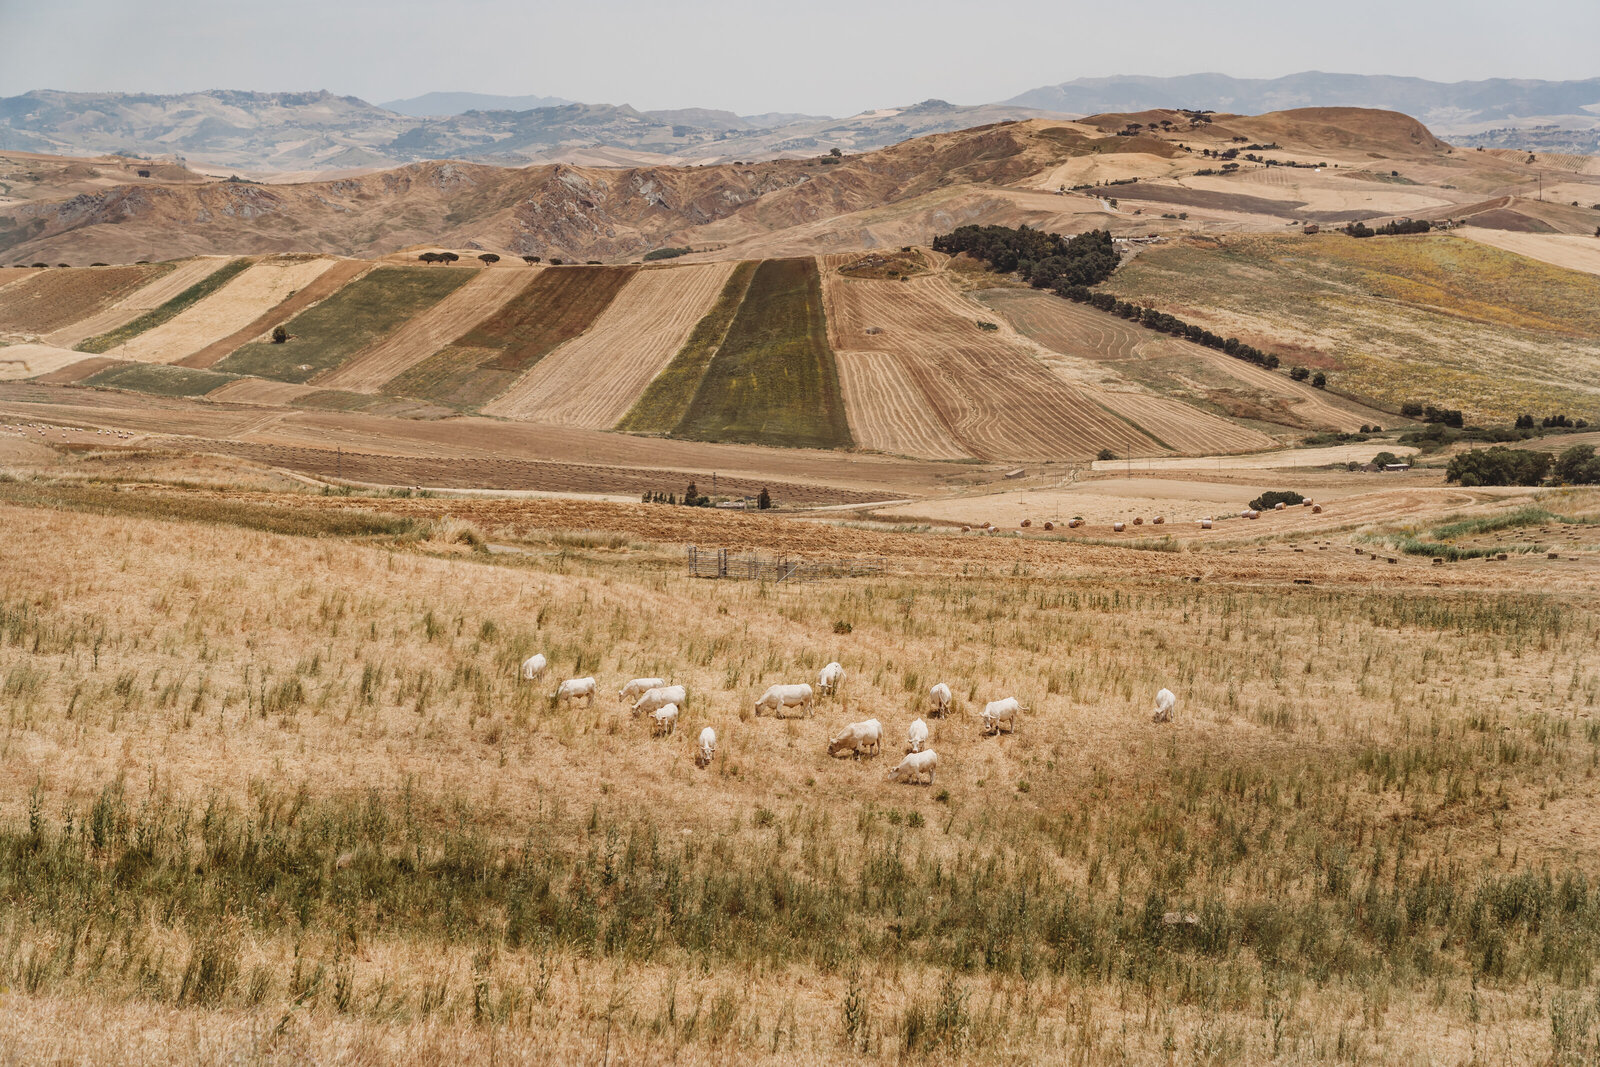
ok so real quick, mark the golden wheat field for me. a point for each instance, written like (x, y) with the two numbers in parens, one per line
(271, 788)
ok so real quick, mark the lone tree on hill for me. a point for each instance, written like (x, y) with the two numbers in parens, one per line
(448, 257)
(1319, 380)
(530, 260)
(764, 501)
(279, 335)
(429, 257)
(489, 258)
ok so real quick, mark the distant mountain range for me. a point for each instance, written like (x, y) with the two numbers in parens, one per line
(262, 132)
(1448, 108)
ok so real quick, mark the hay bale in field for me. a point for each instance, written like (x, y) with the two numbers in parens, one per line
(1119, 526)
(1501, 557)
(1138, 520)
(1280, 506)
(1158, 520)
(1205, 524)
(1438, 561)
(1026, 523)
(1316, 509)
(1049, 526)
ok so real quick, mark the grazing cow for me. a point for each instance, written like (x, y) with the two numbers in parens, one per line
(707, 749)
(914, 766)
(858, 737)
(917, 736)
(666, 719)
(778, 697)
(533, 666)
(632, 690)
(830, 679)
(998, 712)
(659, 697)
(573, 688)
(941, 699)
(1164, 702)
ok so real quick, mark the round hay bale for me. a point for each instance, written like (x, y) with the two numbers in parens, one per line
(1138, 520)
(1316, 509)
(1305, 503)
(1205, 524)
(1026, 523)
(966, 529)
(1158, 520)
(1280, 506)
(1119, 526)
(1049, 526)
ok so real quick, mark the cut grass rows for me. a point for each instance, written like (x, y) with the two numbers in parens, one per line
(166, 312)
(484, 362)
(159, 379)
(773, 380)
(668, 396)
(360, 314)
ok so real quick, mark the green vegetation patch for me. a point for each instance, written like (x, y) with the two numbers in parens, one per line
(557, 306)
(160, 379)
(1438, 540)
(773, 380)
(668, 395)
(190, 507)
(324, 336)
(170, 310)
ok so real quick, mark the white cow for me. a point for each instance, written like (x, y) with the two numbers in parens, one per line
(917, 736)
(858, 737)
(632, 690)
(666, 719)
(941, 699)
(1164, 702)
(707, 749)
(1004, 711)
(914, 766)
(573, 688)
(654, 699)
(778, 697)
(830, 679)
(533, 666)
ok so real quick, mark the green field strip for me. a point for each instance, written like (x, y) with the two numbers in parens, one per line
(161, 379)
(170, 310)
(482, 363)
(667, 397)
(773, 380)
(363, 312)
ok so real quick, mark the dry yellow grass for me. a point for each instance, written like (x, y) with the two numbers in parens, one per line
(1363, 782)
(592, 380)
(146, 298)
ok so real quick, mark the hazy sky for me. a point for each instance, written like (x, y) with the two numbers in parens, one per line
(826, 56)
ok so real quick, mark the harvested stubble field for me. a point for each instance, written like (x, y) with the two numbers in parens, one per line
(235, 305)
(52, 299)
(360, 314)
(155, 292)
(1436, 318)
(330, 281)
(926, 379)
(1364, 839)
(593, 380)
(773, 379)
(220, 273)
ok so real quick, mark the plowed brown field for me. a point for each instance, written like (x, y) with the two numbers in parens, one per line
(51, 299)
(237, 304)
(429, 332)
(330, 281)
(261, 391)
(592, 380)
(995, 399)
(887, 410)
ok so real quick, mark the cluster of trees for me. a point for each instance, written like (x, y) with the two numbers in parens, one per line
(693, 498)
(666, 253)
(1045, 260)
(1415, 409)
(1499, 465)
(1552, 422)
(1389, 229)
(487, 258)
(1273, 497)
(1151, 319)
(1300, 374)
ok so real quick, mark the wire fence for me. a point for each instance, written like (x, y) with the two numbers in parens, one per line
(755, 567)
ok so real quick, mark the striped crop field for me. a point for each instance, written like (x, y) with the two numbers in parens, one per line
(152, 294)
(773, 380)
(160, 379)
(667, 396)
(237, 302)
(52, 299)
(560, 304)
(592, 380)
(925, 378)
(362, 313)
(221, 274)
(324, 285)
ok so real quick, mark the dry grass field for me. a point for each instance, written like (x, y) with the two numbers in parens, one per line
(330, 281)
(52, 299)
(270, 788)
(593, 380)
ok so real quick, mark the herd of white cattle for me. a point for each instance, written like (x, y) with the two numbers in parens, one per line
(654, 697)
